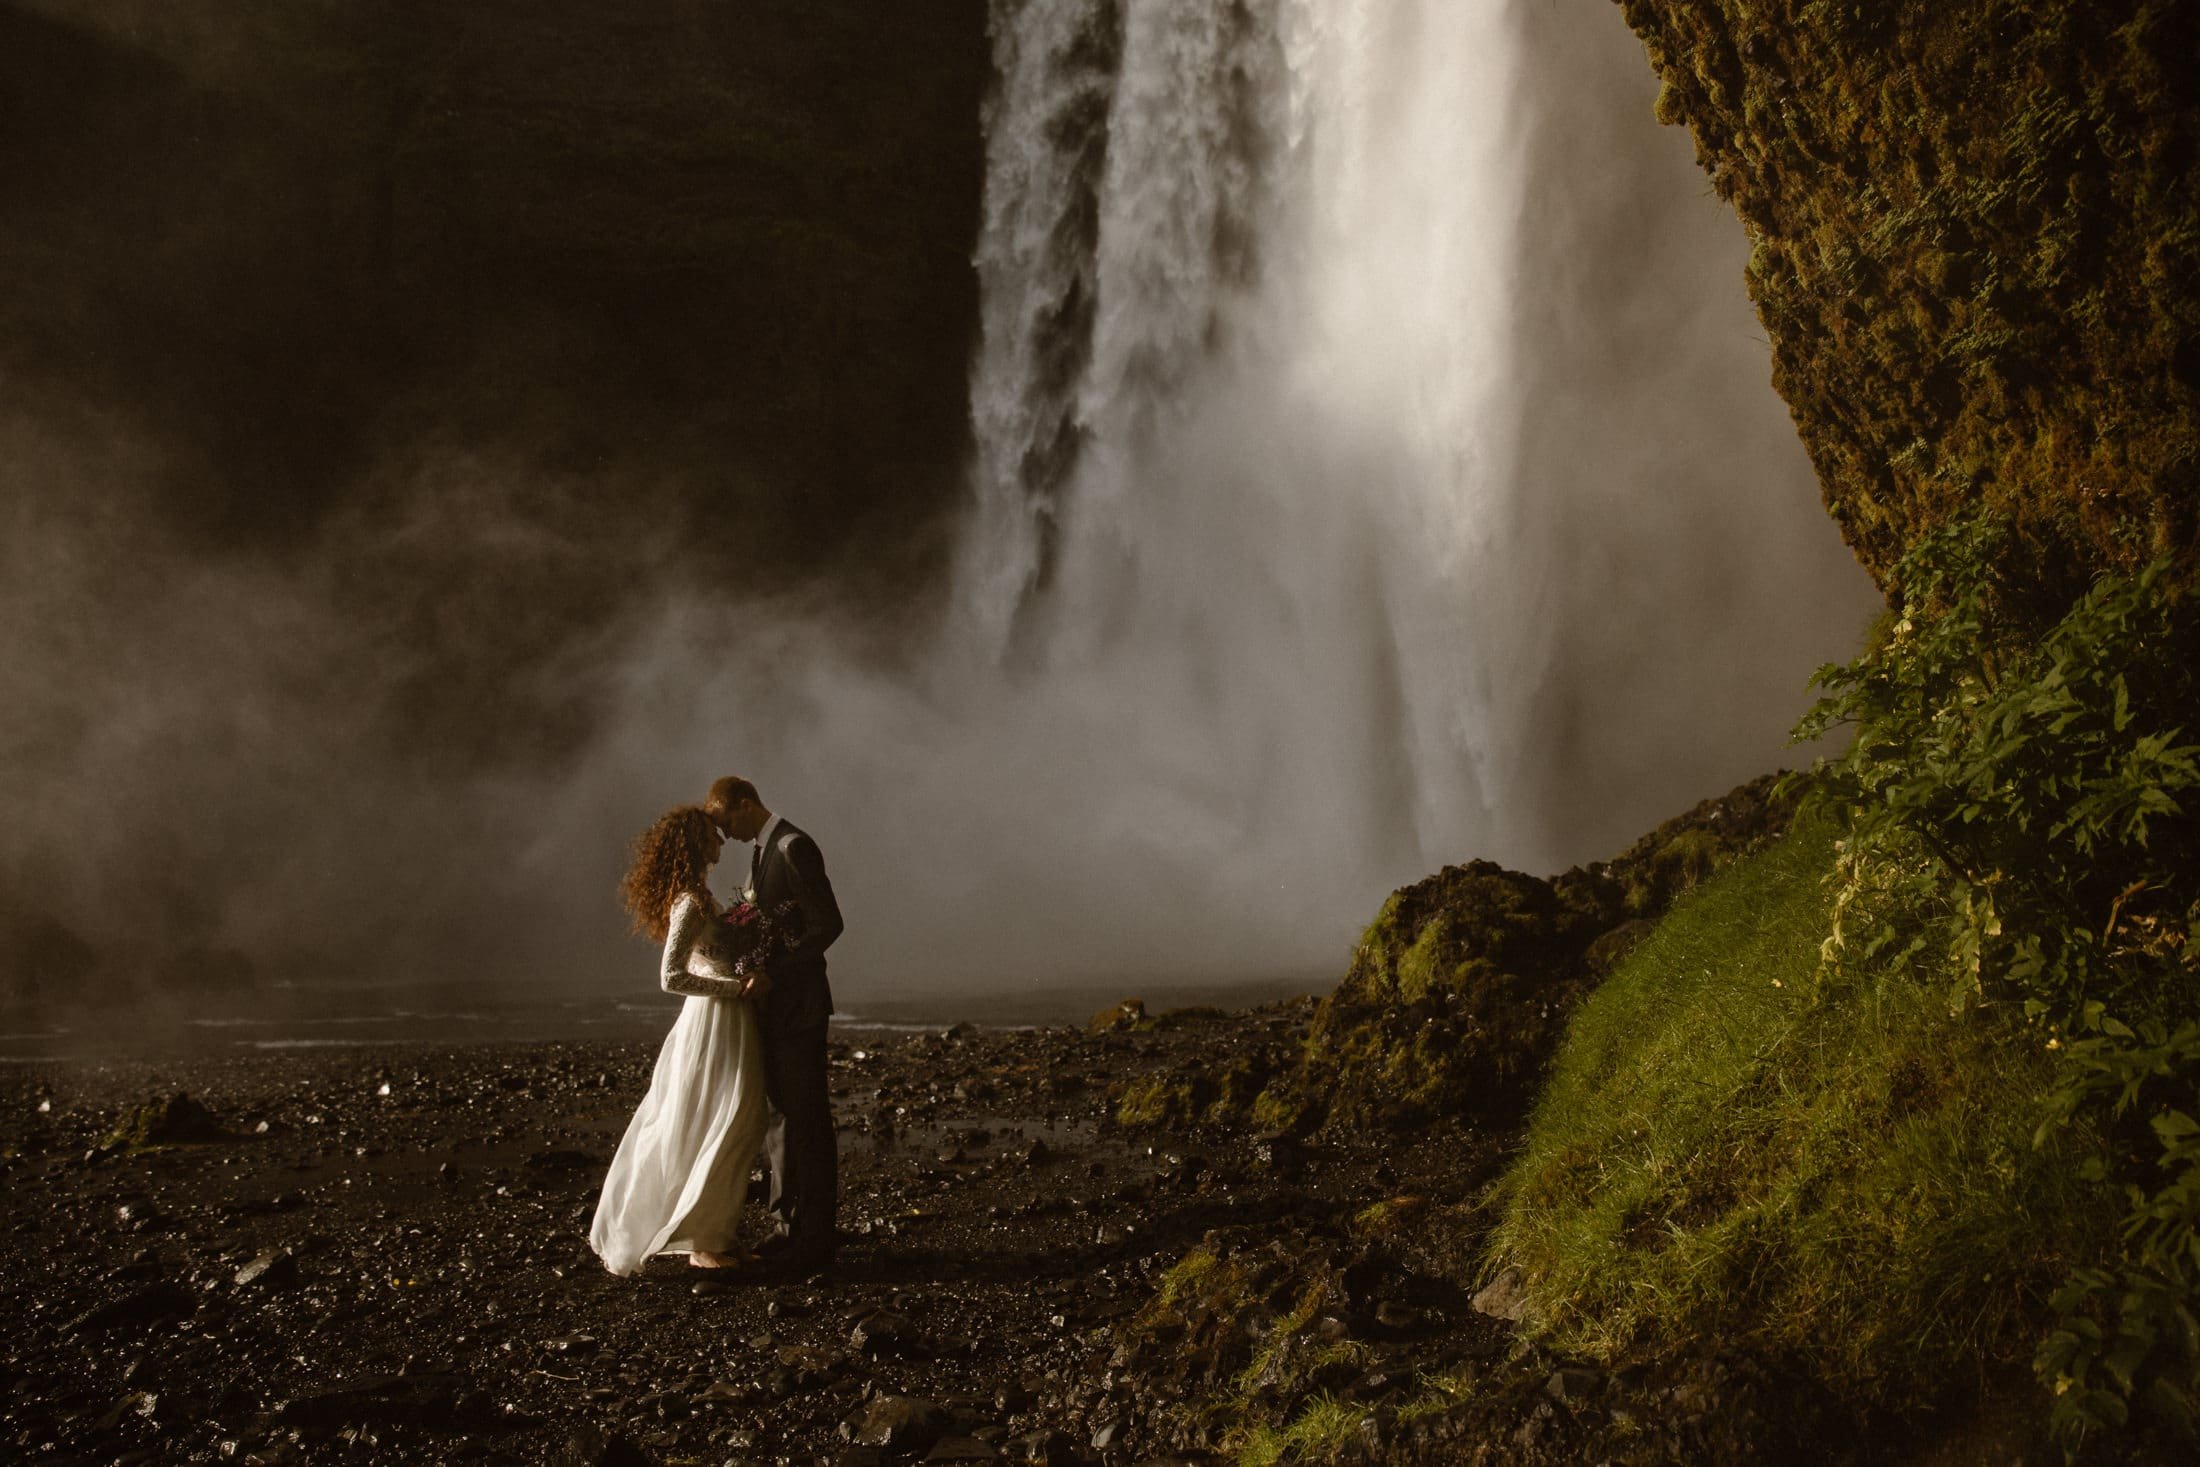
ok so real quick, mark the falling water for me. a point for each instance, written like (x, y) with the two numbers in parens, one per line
(1239, 404)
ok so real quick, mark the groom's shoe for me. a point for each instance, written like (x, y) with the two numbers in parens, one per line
(801, 1258)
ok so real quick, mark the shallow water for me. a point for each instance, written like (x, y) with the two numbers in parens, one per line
(303, 1018)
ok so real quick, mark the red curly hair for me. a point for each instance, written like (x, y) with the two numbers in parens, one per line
(671, 857)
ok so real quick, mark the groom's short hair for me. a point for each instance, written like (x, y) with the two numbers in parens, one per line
(727, 794)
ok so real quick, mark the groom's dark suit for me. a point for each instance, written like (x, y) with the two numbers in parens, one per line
(804, 1157)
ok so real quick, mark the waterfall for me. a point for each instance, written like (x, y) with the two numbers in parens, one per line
(1238, 402)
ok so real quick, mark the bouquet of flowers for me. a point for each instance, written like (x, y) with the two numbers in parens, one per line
(749, 937)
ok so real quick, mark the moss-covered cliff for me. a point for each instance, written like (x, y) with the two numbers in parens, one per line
(1977, 253)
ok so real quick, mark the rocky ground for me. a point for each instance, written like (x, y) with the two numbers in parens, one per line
(380, 1255)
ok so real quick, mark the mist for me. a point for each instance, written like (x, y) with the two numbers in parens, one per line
(1371, 464)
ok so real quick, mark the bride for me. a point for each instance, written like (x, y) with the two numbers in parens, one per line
(682, 1169)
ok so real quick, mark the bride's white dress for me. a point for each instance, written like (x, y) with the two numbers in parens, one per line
(682, 1169)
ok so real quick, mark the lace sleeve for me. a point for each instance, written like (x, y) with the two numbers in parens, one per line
(691, 965)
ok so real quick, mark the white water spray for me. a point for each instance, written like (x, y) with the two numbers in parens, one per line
(1242, 455)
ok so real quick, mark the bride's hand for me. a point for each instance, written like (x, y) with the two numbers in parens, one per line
(760, 984)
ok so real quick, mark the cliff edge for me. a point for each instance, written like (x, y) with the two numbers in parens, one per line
(1977, 255)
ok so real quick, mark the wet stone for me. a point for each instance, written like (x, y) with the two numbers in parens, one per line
(164, 1300)
(1279, 1155)
(272, 1269)
(1393, 1316)
(808, 1366)
(903, 1423)
(139, 1216)
(591, 1447)
(1573, 1383)
(883, 1334)
(1047, 1448)
(1504, 1297)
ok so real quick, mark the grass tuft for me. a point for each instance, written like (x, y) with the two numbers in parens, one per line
(1319, 1433)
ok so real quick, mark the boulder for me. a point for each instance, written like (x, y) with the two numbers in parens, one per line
(272, 1269)
(1504, 1297)
(165, 1120)
(906, 1424)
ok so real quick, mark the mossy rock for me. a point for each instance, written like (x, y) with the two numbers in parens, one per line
(1126, 1017)
(1266, 1327)
(1461, 986)
(1976, 231)
(1222, 1097)
(1159, 1100)
(1229, 1312)
(165, 1120)
(1840, 1174)
(1381, 1219)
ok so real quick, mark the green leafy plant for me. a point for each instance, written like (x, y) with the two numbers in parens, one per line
(2019, 803)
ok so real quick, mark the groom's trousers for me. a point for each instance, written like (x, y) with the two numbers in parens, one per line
(799, 1145)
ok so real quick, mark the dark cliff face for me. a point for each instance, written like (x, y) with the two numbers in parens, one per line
(1977, 232)
(724, 249)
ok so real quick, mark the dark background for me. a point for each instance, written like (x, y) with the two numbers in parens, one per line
(363, 365)
(713, 258)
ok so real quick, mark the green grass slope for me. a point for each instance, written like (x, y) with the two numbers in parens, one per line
(1841, 1175)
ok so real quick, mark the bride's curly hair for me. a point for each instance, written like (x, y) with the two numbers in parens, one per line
(670, 857)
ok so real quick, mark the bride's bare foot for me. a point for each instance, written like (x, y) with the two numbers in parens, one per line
(702, 1258)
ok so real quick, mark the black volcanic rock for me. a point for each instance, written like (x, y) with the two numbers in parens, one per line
(164, 1300)
(269, 1271)
(434, 1322)
(902, 1424)
(166, 1120)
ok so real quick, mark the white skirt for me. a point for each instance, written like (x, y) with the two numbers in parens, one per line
(682, 1170)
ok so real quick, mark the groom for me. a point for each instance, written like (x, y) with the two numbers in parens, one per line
(786, 866)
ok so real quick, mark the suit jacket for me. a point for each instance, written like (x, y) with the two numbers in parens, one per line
(792, 869)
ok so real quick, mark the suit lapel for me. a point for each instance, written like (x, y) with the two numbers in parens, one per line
(760, 858)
